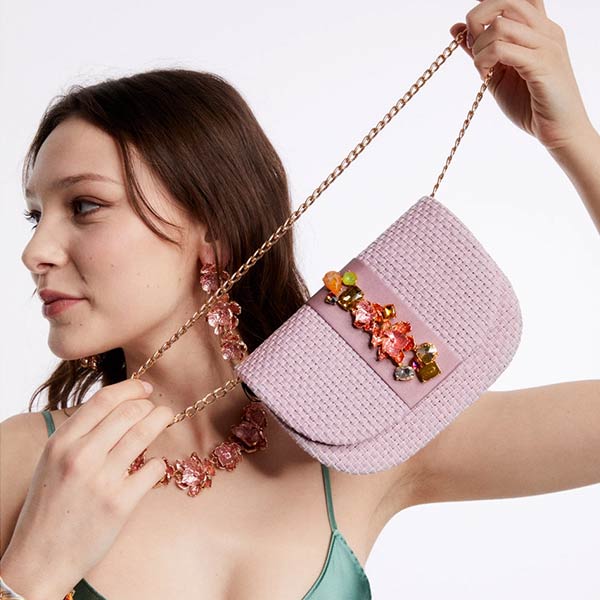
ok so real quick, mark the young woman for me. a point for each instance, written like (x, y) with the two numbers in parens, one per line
(136, 187)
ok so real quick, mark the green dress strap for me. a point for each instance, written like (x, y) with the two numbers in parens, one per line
(342, 576)
(49, 422)
(327, 482)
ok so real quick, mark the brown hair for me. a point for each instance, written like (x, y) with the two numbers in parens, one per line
(198, 135)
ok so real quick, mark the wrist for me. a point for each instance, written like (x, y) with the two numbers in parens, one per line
(579, 158)
(29, 583)
(583, 140)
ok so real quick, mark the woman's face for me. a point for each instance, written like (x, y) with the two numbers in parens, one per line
(89, 243)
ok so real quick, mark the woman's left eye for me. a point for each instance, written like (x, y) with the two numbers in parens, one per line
(34, 215)
(83, 201)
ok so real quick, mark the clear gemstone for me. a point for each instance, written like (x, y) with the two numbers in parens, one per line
(404, 373)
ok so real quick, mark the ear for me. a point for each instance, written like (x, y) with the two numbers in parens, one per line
(207, 245)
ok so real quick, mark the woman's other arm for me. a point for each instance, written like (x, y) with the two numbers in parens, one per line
(516, 443)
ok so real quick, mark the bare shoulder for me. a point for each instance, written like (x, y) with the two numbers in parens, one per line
(22, 437)
(27, 432)
(22, 440)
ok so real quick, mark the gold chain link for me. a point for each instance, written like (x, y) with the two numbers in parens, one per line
(219, 392)
(470, 114)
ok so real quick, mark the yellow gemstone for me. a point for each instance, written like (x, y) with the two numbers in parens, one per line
(389, 312)
(349, 278)
(428, 371)
(333, 282)
(349, 297)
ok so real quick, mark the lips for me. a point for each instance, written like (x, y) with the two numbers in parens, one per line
(58, 306)
(49, 296)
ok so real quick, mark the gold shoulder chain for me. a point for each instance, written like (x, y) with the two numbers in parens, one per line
(219, 392)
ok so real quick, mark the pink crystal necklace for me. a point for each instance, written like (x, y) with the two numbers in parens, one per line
(195, 473)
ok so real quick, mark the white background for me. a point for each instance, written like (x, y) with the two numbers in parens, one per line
(319, 75)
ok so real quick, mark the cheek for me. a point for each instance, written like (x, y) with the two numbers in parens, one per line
(134, 278)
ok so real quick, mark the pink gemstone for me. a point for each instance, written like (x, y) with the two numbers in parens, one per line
(364, 314)
(222, 316)
(402, 326)
(381, 355)
(234, 307)
(367, 315)
(138, 463)
(255, 413)
(251, 437)
(396, 343)
(391, 341)
(193, 474)
(377, 335)
(227, 455)
(208, 278)
(233, 347)
(169, 470)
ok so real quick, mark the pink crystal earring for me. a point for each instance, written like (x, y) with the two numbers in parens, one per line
(223, 315)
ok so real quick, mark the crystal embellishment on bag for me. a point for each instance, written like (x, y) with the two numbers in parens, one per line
(391, 339)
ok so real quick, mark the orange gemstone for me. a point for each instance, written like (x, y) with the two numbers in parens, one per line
(333, 282)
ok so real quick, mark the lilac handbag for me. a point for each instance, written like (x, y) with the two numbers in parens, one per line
(362, 404)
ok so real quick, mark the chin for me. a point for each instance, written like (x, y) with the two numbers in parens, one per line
(67, 348)
(70, 355)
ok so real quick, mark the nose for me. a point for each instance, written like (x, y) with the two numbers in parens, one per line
(44, 250)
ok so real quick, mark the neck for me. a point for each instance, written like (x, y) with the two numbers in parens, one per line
(191, 368)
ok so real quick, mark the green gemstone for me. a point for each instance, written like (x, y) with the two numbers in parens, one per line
(349, 278)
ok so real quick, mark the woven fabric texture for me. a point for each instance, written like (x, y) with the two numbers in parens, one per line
(332, 402)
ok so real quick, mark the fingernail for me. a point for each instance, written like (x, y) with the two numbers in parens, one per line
(147, 386)
(469, 39)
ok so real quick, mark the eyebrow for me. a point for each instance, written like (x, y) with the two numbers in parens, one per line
(65, 182)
